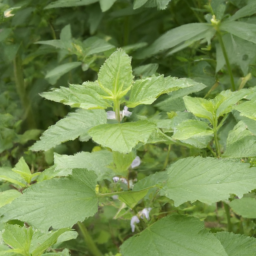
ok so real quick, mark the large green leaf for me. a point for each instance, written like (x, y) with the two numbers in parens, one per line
(95, 161)
(247, 10)
(236, 244)
(145, 91)
(57, 203)
(246, 207)
(122, 137)
(79, 96)
(8, 196)
(174, 235)
(175, 37)
(247, 109)
(208, 180)
(7, 174)
(115, 76)
(69, 128)
(243, 30)
(69, 3)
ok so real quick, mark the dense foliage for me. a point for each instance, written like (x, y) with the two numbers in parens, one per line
(128, 127)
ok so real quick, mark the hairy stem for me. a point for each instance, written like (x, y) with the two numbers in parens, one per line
(233, 87)
(88, 240)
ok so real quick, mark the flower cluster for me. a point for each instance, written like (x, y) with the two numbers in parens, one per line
(142, 214)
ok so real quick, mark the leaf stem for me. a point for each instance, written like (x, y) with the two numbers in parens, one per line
(167, 157)
(227, 210)
(215, 130)
(117, 109)
(233, 87)
(88, 240)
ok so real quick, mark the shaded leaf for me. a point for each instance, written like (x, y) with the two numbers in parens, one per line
(246, 207)
(69, 3)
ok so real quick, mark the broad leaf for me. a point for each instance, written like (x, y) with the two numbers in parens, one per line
(131, 198)
(146, 91)
(121, 162)
(243, 30)
(236, 244)
(7, 174)
(23, 170)
(69, 3)
(122, 137)
(115, 76)
(174, 235)
(146, 70)
(246, 207)
(208, 180)
(87, 96)
(95, 161)
(247, 10)
(138, 3)
(247, 109)
(8, 196)
(175, 37)
(51, 203)
(69, 128)
(106, 5)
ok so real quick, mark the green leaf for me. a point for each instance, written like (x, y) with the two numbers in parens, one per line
(69, 3)
(121, 162)
(138, 3)
(53, 75)
(247, 109)
(23, 170)
(145, 91)
(131, 198)
(247, 10)
(243, 30)
(208, 180)
(115, 76)
(86, 96)
(18, 238)
(175, 37)
(122, 137)
(28, 135)
(66, 33)
(146, 70)
(7, 174)
(95, 161)
(8, 196)
(174, 235)
(236, 244)
(192, 128)
(69, 128)
(51, 203)
(246, 207)
(240, 142)
(160, 4)
(106, 5)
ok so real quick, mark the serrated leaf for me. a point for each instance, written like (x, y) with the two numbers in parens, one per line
(69, 3)
(95, 161)
(131, 198)
(174, 235)
(122, 137)
(69, 128)
(244, 30)
(192, 128)
(247, 109)
(106, 5)
(246, 207)
(7, 174)
(207, 180)
(23, 170)
(236, 244)
(51, 203)
(175, 37)
(115, 75)
(86, 96)
(146, 91)
(8, 196)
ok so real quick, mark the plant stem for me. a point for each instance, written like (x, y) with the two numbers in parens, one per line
(227, 210)
(117, 109)
(88, 240)
(215, 130)
(233, 87)
(167, 157)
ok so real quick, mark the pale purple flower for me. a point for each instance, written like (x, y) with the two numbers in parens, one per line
(134, 220)
(111, 115)
(136, 162)
(123, 113)
(124, 181)
(115, 197)
(116, 179)
(145, 212)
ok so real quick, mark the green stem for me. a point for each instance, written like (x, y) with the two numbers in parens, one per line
(233, 87)
(88, 240)
(227, 210)
(117, 109)
(215, 130)
(167, 157)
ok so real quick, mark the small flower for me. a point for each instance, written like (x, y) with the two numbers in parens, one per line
(115, 197)
(136, 162)
(134, 220)
(124, 181)
(116, 179)
(8, 13)
(145, 213)
(111, 115)
(125, 112)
